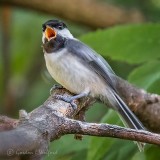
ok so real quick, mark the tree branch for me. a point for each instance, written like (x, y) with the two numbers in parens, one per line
(7, 123)
(105, 130)
(25, 140)
(54, 119)
(88, 12)
(145, 105)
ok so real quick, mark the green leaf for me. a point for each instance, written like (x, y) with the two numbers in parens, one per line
(99, 146)
(80, 155)
(153, 88)
(131, 43)
(121, 150)
(67, 146)
(109, 148)
(139, 156)
(145, 75)
(153, 153)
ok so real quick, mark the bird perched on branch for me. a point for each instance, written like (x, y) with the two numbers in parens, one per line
(82, 71)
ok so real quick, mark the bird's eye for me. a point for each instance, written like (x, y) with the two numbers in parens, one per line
(60, 27)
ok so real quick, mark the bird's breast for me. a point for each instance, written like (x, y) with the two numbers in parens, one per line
(68, 71)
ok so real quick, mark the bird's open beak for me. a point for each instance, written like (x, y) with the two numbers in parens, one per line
(50, 33)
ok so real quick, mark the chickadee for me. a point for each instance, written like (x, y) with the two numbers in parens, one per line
(79, 69)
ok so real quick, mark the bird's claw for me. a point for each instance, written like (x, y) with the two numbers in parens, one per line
(68, 100)
(55, 86)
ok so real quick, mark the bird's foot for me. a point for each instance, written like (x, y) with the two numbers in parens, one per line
(55, 86)
(71, 99)
(68, 100)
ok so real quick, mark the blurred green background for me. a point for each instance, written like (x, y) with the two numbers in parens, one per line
(133, 51)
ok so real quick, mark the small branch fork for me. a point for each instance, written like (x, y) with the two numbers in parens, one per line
(29, 137)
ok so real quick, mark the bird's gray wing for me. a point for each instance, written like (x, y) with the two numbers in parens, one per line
(101, 67)
(92, 59)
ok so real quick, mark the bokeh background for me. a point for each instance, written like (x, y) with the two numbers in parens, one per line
(125, 32)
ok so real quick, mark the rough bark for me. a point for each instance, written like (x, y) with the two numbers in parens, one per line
(145, 105)
(7, 123)
(88, 12)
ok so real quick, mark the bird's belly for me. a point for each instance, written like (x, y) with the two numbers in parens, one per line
(74, 76)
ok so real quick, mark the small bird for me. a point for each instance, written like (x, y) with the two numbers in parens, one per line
(82, 71)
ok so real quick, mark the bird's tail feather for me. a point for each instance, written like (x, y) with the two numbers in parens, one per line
(128, 117)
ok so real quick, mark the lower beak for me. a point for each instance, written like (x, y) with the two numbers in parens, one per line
(50, 33)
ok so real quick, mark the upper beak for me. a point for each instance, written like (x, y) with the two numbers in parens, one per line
(50, 33)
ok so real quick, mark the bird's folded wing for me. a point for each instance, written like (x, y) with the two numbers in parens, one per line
(92, 60)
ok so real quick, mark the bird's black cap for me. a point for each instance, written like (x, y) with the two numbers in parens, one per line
(54, 24)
